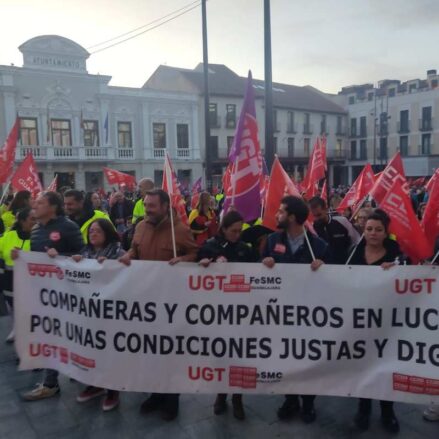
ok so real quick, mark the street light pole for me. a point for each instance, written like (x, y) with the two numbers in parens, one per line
(269, 147)
(208, 156)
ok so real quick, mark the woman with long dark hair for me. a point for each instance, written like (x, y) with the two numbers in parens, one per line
(227, 246)
(103, 243)
(16, 238)
(377, 249)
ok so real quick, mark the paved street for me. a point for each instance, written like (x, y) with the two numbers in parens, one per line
(62, 417)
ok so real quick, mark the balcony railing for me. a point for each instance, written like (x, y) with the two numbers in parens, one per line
(425, 124)
(183, 153)
(353, 133)
(72, 153)
(403, 128)
(307, 128)
(159, 153)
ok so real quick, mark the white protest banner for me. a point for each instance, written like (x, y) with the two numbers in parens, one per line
(231, 328)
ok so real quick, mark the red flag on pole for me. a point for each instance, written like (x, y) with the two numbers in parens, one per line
(26, 177)
(434, 177)
(119, 178)
(280, 184)
(7, 152)
(358, 191)
(394, 171)
(53, 185)
(404, 224)
(430, 220)
(170, 186)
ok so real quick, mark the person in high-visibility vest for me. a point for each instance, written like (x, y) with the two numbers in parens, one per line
(18, 237)
(21, 200)
(144, 185)
(80, 212)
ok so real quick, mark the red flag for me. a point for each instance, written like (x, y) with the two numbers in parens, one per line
(26, 177)
(120, 178)
(279, 186)
(404, 224)
(358, 191)
(227, 184)
(324, 192)
(53, 185)
(170, 185)
(429, 185)
(430, 220)
(317, 169)
(7, 153)
(394, 171)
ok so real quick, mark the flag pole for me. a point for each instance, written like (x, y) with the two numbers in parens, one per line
(5, 192)
(435, 257)
(354, 250)
(309, 244)
(171, 214)
(170, 193)
(359, 206)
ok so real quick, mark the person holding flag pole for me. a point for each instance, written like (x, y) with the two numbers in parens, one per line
(294, 245)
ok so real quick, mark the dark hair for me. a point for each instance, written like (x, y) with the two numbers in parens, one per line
(297, 207)
(229, 219)
(382, 217)
(77, 195)
(163, 196)
(21, 215)
(21, 199)
(317, 202)
(55, 199)
(88, 203)
(107, 227)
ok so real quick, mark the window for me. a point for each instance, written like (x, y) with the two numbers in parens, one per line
(158, 178)
(275, 127)
(353, 149)
(306, 125)
(363, 149)
(339, 148)
(213, 115)
(124, 134)
(412, 88)
(426, 144)
(434, 83)
(91, 132)
(61, 132)
(370, 96)
(230, 116)
(274, 145)
(351, 100)
(353, 127)
(391, 92)
(182, 135)
(339, 125)
(290, 126)
(323, 124)
(306, 143)
(290, 146)
(229, 144)
(159, 135)
(28, 132)
(404, 121)
(383, 148)
(214, 147)
(363, 127)
(404, 145)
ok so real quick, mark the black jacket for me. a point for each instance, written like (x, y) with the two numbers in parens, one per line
(232, 251)
(392, 253)
(59, 233)
(278, 248)
(127, 211)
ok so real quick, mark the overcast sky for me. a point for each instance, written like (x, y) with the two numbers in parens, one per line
(324, 43)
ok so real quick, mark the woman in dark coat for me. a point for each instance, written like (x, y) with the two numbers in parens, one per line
(377, 249)
(227, 246)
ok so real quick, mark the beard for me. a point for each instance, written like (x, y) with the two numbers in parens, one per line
(282, 225)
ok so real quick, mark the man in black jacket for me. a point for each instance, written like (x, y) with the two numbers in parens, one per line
(54, 234)
(290, 246)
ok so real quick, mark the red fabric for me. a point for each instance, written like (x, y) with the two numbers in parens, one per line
(170, 186)
(404, 223)
(430, 220)
(317, 170)
(280, 185)
(194, 201)
(394, 171)
(53, 185)
(120, 178)
(26, 177)
(358, 191)
(7, 153)
(430, 183)
(324, 193)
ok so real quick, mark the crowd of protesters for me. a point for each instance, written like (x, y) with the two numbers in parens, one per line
(137, 226)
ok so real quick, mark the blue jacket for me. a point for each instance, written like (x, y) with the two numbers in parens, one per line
(278, 248)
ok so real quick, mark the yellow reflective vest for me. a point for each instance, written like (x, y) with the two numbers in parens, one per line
(138, 211)
(8, 242)
(86, 225)
(8, 219)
